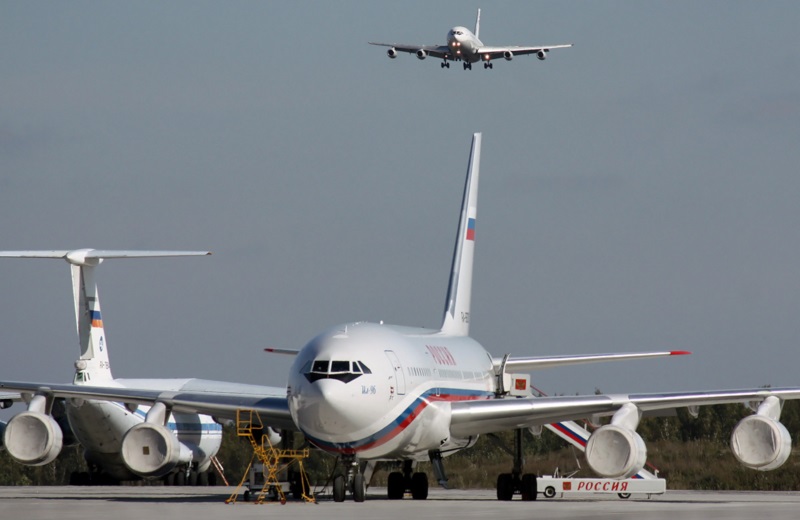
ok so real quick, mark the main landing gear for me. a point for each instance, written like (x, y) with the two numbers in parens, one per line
(488, 65)
(408, 480)
(467, 66)
(516, 481)
(445, 65)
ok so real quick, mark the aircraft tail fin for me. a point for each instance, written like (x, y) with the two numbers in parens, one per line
(93, 366)
(459, 291)
(478, 24)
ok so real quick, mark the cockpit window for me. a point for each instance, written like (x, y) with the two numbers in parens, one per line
(344, 371)
(320, 366)
(340, 366)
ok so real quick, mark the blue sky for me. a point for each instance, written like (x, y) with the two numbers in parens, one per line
(638, 192)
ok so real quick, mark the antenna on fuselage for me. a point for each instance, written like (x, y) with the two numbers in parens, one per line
(459, 292)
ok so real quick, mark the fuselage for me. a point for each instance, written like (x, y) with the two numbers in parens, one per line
(464, 44)
(382, 391)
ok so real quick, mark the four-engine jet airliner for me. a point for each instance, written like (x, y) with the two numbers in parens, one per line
(464, 45)
(99, 426)
(370, 392)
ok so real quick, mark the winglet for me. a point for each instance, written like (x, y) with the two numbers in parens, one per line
(478, 25)
(459, 291)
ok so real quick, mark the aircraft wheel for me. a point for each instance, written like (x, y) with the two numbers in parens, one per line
(396, 486)
(193, 477)
(359, 488)
(203, 479)
(246, 495)
(180, 478)
(529, 487)
(338, 488)
(624, 496)
(505, 486)
(549, 492)
(419, 486)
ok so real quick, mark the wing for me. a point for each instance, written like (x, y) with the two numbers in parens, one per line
(215, 398)
(437, 51)
(516, 50)
(537, 363)
(493, 415)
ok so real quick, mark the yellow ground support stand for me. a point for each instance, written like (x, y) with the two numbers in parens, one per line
(248, 424)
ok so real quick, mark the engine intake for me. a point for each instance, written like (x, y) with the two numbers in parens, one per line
(616, 452)
(33, 438)
(392, 52)
(542, 54)
(422, 54)
(150, 450)
(508, 55)
(761, 443)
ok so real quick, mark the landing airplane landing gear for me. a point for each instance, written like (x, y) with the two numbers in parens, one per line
(488, 65)
(467, 66)
(444, 64)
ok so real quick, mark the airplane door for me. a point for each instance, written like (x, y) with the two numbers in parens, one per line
(399, 375)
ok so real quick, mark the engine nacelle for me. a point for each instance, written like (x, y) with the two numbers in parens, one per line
(422, 54)
(761, 443)
(392, 52)
(33, 438)
(616, 452)
(508, 55)
(150, 450)
(542, 54)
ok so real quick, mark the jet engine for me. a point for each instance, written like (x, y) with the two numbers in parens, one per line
(761, 443)
(151, 450)
(616, 452)
(542, 54)
(33, 438)
(508, 55)
(392, 52)
(421, 54)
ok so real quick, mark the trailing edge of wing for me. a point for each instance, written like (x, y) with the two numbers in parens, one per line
(493, 415)
(538, 363)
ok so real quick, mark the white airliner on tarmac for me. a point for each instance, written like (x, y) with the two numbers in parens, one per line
(99, 426)
(370, 392)
(464, 45)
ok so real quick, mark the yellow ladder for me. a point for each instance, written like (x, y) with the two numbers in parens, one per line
(275, 461)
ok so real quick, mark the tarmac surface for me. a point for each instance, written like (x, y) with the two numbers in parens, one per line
(155, 503)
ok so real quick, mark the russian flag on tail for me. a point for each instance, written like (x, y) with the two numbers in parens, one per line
(471, 229)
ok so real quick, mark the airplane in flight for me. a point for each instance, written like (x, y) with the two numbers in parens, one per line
(99, 426)
(463, 45)
(373, 392)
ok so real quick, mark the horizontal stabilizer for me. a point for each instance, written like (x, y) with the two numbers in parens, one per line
(538, 363)
(288, 351)
(95, 256)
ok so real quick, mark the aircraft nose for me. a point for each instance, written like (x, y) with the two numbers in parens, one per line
(327, 408)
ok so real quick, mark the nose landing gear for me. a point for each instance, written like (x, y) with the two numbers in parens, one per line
(354, 480)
